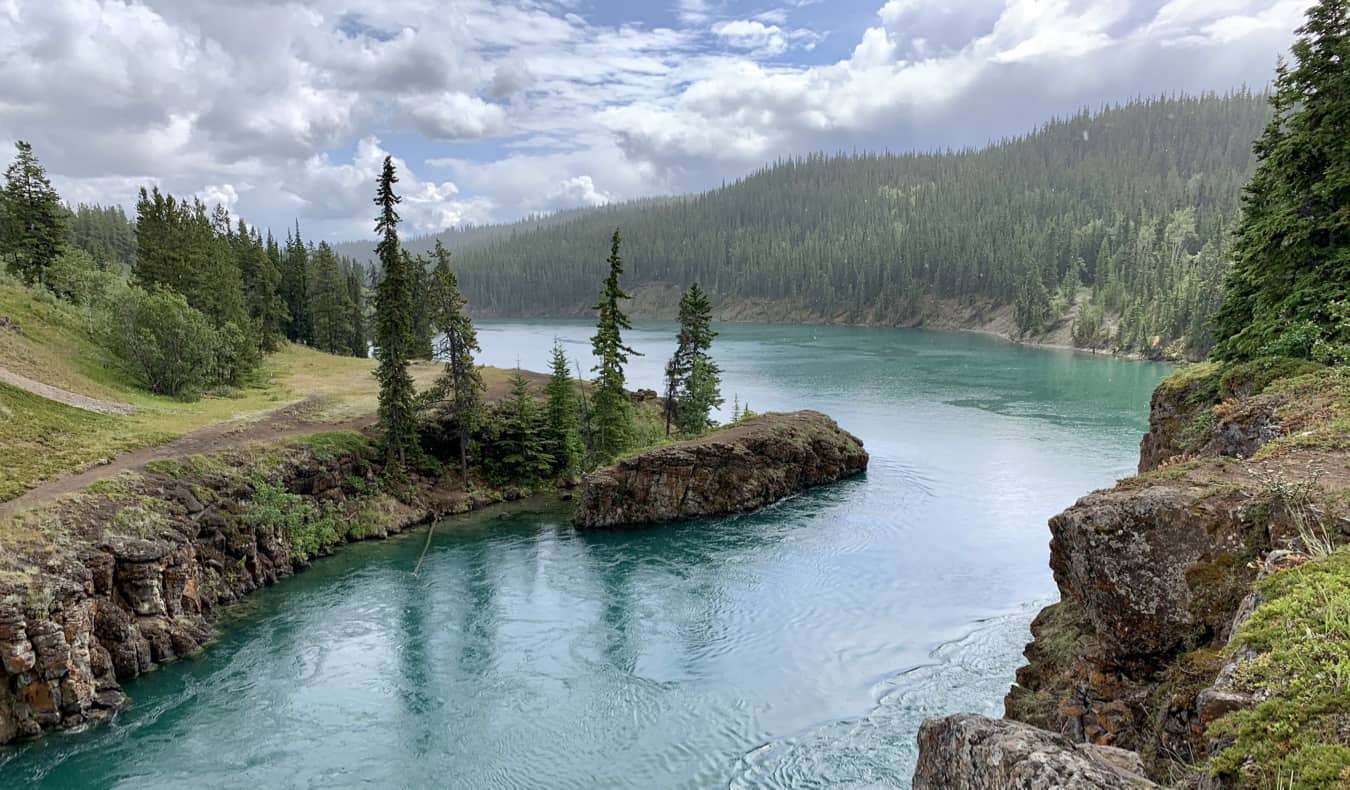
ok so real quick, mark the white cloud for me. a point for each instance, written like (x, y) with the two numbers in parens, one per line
(272, 108)
(341, 192)
(755, 35)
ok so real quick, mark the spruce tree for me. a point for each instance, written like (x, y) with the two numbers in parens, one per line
(563, 425)
(262, 284)
(702, 394)
(295, 288)
(356, 321)
(693, 380)
(522, 447)
(1291, 258)
(461, 385)
(424, 332)
(393, 332)
(34, 220)
(613, 411)
(330, 306)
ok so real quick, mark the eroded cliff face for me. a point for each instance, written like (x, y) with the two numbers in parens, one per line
(1156, 574)
(735, 470)
(106, 585)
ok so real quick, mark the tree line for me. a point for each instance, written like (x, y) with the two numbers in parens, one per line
(187, 298)
(1121, 213)
(519, 439)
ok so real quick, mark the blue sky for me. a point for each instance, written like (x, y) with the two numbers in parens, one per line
(495, 109)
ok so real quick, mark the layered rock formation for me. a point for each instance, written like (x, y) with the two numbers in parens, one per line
(132, 573)
(1155, 575)
(735, 470)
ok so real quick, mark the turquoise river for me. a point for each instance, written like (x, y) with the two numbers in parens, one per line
(799, 647)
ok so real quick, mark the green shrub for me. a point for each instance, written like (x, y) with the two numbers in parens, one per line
(309, 528)
(167, 345)
(235, 356)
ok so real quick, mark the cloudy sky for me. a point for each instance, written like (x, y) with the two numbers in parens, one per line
(496, 109)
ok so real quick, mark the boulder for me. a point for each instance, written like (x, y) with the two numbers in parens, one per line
(738, 469)
(978, 753)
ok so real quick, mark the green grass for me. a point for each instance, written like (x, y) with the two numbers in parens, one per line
(1299, 736)
(334, 444)
(42, 438)
(1195, 385)
(1316, 414)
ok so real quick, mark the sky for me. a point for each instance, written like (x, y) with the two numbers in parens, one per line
(498, 109)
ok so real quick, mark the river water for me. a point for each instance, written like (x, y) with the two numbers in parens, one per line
(798, 647)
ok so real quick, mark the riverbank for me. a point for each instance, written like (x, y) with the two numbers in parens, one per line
(100, 587)
(659, 302)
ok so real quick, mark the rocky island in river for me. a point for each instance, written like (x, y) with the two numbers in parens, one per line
(749, 465)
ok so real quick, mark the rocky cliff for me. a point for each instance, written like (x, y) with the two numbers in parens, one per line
(749, 465)
(1244, 473)
(103, 586)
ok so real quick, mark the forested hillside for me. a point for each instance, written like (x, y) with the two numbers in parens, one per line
(1133, 202)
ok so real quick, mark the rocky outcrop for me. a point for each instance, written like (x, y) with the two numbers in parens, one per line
(735, 470)
(1156, 574)
(977, 753)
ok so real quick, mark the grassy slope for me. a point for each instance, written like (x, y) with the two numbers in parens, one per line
(1299, 735)
(40, 438)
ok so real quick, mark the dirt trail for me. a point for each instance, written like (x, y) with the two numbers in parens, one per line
(64, 396)
(289, 421)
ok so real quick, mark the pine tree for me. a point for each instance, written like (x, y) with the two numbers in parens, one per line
(563, 426)
(613, 412)
(1291, 257)
(34, 221)
(522, 447)
(461, 385)
(393, 332)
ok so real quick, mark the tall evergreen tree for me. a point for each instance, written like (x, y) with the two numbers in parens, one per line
(1291, 257)
(262, 283)
(563, 425)
(461, 385)
(34, 221)
(393, 333)
(295, 288)
(423, 322)
(702, 394)
(695, 387)
(105, 233)
(357, 342)
(522, 454)
(613, 411)
(330, 306)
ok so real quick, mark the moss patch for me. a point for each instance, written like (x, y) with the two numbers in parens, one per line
(1299, 736)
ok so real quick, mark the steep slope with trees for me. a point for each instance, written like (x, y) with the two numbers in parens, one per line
(1114, 220)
